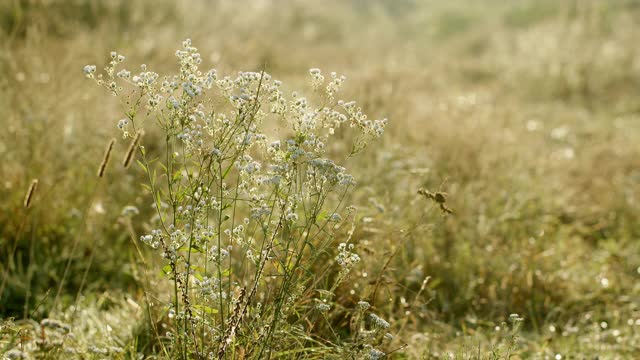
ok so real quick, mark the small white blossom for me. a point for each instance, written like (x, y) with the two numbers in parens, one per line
(130, 210)
(335, 217)
(89, 70)
(379, 322)
(375, 354)
(363, 305)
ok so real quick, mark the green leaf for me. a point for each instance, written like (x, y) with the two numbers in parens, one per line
(166, 270)
(197, 269)
(206, 309)
(142, 165)
(322, 215)
(158, 202)
(226, 172)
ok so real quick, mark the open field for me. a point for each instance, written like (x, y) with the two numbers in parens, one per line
(497, 217)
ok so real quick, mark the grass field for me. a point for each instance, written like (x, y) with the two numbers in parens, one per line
(498, 216)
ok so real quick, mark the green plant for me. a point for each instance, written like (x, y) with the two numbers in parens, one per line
(247, 199)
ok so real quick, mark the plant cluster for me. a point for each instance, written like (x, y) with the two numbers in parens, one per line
(247, 199)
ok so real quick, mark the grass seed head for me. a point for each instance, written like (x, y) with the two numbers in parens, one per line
(132, 149)
(106, 157)
(29, 196)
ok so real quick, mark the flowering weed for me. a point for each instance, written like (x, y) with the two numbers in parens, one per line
(245, 212)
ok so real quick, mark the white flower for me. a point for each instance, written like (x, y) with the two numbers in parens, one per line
(335, 217)
(346, 258)
(124, 74)
(376, 354)
(363, 305)
(379, 322)
(56, 325)
(89, 70)
(16, 354)
(130, 210)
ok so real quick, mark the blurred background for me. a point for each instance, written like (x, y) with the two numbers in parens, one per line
(526, 113)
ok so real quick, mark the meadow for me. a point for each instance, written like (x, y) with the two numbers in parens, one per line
(255, 212)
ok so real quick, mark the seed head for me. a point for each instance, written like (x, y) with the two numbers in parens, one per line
(132, 149)
(29, 197)
(106, 157)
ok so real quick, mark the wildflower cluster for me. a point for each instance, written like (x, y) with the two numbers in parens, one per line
(346, 258)
(49, 338)
(236, 200)
(370, 332)
(379, 322)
